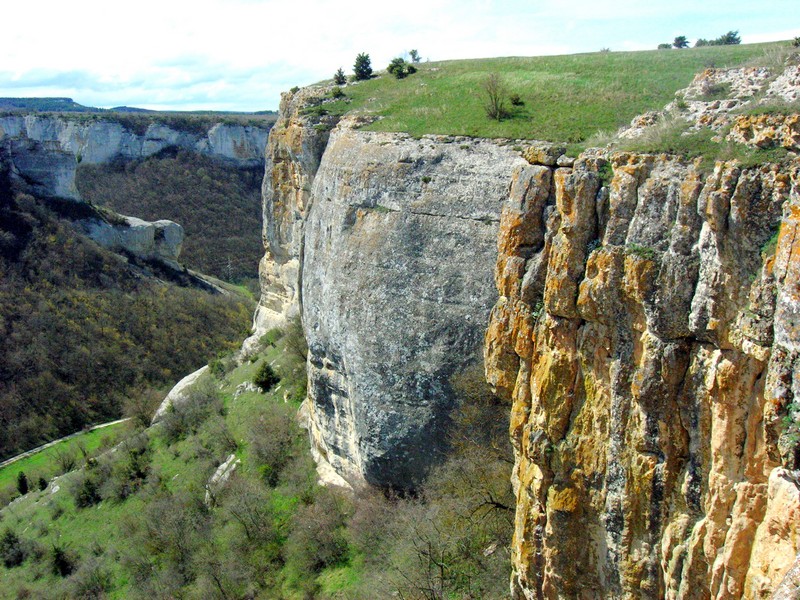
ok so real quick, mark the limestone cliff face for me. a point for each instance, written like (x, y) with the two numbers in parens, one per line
(44, 150)
(295, 148)
(648, 333)
(385, 244)
(396, 291)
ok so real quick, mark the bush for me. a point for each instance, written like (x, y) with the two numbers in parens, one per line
(337, 93)
(362, 68)
(91, 580)
(86, 489)
(796, 42)
(62, 561)
(22, 483)
(186, 416)
(339, 77)
(42, 483)
(273, 440)
(494, 93)
(400, 68)
(664, 46)
(266, 378)
(12, 551)
(516, 100)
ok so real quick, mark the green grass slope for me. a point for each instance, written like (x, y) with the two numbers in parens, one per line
(566, 98)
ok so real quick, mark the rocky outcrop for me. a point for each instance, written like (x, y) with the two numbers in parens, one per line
(159, 240)
(44, 150)
(648, 334)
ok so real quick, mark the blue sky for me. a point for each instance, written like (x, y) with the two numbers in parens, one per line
(240, 54)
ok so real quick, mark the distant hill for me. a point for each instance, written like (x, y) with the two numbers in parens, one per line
(69, 105)
(44, 105)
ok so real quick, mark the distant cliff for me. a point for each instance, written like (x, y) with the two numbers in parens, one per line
(44, 150)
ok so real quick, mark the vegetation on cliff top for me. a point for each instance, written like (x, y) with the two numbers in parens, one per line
(564, 98)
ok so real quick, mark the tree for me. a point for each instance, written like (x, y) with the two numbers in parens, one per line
(729, 39)
(681, 42)
(339, 78)
(400, 68)
(494, 92)
(415, 57)
(362, 67)
(664, 46)
(22, 483)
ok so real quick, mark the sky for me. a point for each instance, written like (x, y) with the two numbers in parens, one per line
(241, 54)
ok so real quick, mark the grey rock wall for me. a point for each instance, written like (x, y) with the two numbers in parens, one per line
(397, 284)
(44, 150)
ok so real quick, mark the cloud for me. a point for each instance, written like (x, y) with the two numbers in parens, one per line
(242, 53)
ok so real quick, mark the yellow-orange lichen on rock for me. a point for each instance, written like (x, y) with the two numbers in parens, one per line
(648, 336)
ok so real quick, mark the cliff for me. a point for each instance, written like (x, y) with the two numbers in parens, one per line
(647, 332)
(385, 244)
(44, 150)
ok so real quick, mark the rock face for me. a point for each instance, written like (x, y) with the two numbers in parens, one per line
(385, 244)
(396, 290)
(44, 150)
(648, 333)
(159, 240)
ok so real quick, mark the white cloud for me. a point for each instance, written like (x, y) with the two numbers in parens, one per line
(240, 53)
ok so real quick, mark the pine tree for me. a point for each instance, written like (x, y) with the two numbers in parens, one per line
(362, 67)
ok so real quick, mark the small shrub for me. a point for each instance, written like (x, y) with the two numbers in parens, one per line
(42, 483)
(796, 42)
(22, 483)
(425, 179)
(186, 417)
(641, 251)
(337, 93)
(266, 378)
(12, 551)
(606, 173)
(91, 580)
(400, 68)
(494, 94)
(416, 58)
(339, 77)
(86, 490)
(294, 90)
(62, 561)
(516, 100)
(665, 46)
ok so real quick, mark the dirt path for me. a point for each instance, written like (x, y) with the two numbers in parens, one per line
(14, 459)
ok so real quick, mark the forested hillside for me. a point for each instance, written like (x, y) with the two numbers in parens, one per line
(218, 205)
(84, 328)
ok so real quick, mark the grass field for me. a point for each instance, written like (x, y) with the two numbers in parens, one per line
(566, 98)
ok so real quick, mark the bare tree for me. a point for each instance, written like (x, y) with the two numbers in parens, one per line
(494, 93)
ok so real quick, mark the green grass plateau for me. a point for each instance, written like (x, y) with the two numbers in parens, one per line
(566, 98)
